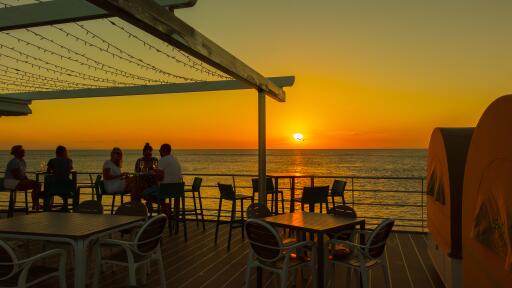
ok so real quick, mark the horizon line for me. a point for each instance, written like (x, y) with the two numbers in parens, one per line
(102, 149)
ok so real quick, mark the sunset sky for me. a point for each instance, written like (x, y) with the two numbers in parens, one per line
(369, 74)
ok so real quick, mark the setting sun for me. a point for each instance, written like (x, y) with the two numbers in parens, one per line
(298, 137)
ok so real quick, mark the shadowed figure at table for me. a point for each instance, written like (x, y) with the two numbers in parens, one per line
(16, 179)
(116, 181)
(147, 162)
(57, 180)
(168, 172)
(144, 172)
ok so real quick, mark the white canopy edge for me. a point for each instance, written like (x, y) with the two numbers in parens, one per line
(14, 107)
(284, 81)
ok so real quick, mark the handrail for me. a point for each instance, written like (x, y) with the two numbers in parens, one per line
(402, 195)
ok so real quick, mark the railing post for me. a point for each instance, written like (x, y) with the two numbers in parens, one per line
(292, 194)
(353, 198)
(422, 208)
(262, 146)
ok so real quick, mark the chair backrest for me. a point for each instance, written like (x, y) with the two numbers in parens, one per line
(89, 207)
(2, 184)
(148, 237)
(338, 187)
(196, 185)
(343, 210)
(171, 190)
(226, 191)
(312, 195)
(58, 186)
(377, 240)
(132, 209)
(258, 210)
(256, 181)
(8, 261)
(99, 187)
(264, 240)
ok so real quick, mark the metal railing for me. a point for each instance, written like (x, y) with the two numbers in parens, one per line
(374, 197)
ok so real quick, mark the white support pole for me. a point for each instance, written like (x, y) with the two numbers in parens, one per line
(262, 146)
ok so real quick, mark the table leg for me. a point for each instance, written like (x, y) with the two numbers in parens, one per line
(362, 238)
(80, 263)
(259, 277)
(320, 262)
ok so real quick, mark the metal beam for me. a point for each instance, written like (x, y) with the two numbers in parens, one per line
(285, 81)
(63, 11)
(14, 107)
(163, 24)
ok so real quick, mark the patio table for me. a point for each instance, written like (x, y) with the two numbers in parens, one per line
(316, 223)
(76, 229)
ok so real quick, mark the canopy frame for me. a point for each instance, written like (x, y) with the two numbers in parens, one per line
(63, 11)
(153, 18)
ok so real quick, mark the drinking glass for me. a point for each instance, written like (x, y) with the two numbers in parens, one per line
(141, 164)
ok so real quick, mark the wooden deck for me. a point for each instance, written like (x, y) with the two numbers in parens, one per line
(198, 263)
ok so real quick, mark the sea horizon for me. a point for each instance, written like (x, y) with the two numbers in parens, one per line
(155, 148)
(322, 162)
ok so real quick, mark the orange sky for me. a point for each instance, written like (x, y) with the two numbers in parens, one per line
(369, 74)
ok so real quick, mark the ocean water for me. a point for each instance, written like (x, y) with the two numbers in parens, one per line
(370, 174)
(389, 162)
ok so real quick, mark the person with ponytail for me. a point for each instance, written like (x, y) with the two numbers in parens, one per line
(147, 162)
(144, 167)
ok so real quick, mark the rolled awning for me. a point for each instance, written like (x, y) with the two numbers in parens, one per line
(14, 107)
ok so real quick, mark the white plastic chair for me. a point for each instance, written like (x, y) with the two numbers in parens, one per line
(138, 253)
(26, 273)
(269, 252)
(363, 257)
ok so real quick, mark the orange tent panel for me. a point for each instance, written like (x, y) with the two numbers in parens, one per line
(445, 176)
(487, 202)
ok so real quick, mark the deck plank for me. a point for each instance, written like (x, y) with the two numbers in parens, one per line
(200, 263)
(413, 262)
(421, 245)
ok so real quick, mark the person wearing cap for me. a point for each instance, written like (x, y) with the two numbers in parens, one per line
(16, 178)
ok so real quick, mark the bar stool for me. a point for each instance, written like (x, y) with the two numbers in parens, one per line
(99, 187)
(177, 213)
(196, 188)
(274, 207)
(228, 193)
(338, 190)
(12, 199)
(85, 186)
